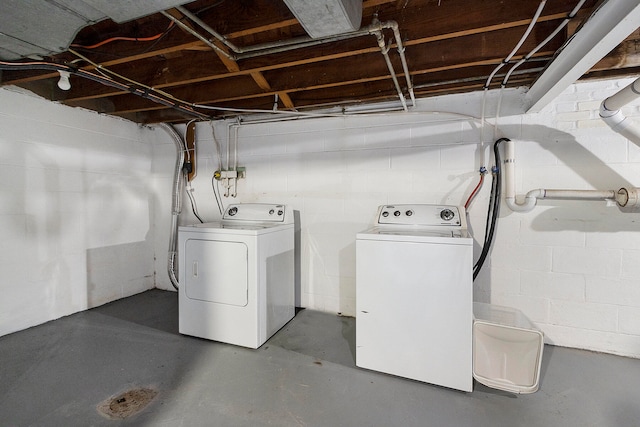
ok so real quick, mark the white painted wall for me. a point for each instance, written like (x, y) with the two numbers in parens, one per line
(570, 266)
(85, 206)
(75, 210)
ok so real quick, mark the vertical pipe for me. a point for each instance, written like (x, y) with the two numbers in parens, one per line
(175, 202)
(385, 53)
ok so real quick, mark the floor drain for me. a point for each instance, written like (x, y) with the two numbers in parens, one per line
(128, 403)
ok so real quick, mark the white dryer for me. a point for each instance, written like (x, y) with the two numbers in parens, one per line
(414, 292)
(236, 275)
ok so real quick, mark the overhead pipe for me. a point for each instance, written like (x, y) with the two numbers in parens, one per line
(240, 53)
(197, 35)
(176, 202)
(550, 37)
(385, 53)
(532, 196)
(611, 112)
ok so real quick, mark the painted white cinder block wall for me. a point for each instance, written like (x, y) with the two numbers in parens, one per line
(571, 266)
(75, 210)
(86, 206)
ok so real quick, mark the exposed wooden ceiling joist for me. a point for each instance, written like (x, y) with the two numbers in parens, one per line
(451, 46)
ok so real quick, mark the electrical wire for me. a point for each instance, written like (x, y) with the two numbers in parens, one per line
(102, 69)
(133, 39)
(216, 193)
(189, 190)
(138, 90)
(493, 210)
(186, 146)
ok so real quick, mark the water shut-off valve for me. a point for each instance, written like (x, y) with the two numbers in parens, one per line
(229, 180)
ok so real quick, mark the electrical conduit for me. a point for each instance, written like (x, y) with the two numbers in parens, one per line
(176, 203)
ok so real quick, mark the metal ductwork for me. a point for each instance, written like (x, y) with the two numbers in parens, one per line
(37, 28)
(322, 18)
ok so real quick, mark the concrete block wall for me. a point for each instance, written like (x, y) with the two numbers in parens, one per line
(75, 210)
(86, 205)
(568, 265)
(572, 264)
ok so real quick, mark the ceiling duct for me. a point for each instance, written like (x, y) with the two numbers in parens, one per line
(37, 28)
(322, 18)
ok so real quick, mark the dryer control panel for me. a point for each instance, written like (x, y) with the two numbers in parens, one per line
(258, 212)
(422, 215)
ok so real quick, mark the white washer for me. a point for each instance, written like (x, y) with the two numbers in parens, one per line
(414, 293)
(237, 275)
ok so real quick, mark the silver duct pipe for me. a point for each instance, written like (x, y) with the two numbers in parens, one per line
(176, 202)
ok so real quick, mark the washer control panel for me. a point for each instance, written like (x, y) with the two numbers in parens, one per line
(256, 212)
(421, 215)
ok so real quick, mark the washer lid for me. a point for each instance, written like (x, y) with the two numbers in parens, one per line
(417, 234)
(227, 227)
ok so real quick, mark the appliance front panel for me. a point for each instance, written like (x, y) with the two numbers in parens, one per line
(216, 271)
(414, 311)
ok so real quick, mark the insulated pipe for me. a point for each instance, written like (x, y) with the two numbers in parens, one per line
(175, 202)
(611, 113)
(532, 196)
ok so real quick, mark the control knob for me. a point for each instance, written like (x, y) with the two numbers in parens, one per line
(396, 213)
(233, 211)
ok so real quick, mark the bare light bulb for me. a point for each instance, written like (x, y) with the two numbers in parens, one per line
(64, 82)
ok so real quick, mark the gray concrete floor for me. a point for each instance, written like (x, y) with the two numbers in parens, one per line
(58, 373)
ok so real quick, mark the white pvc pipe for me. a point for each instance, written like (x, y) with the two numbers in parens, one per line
(519, 44)
(532, 196)
(623, 97)
(611, 113)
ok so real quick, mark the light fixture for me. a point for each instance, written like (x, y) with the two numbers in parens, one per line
(64, 82)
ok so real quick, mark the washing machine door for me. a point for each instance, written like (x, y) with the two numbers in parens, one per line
(216, 271)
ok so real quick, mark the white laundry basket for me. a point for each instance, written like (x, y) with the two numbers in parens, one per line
(507, 349)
